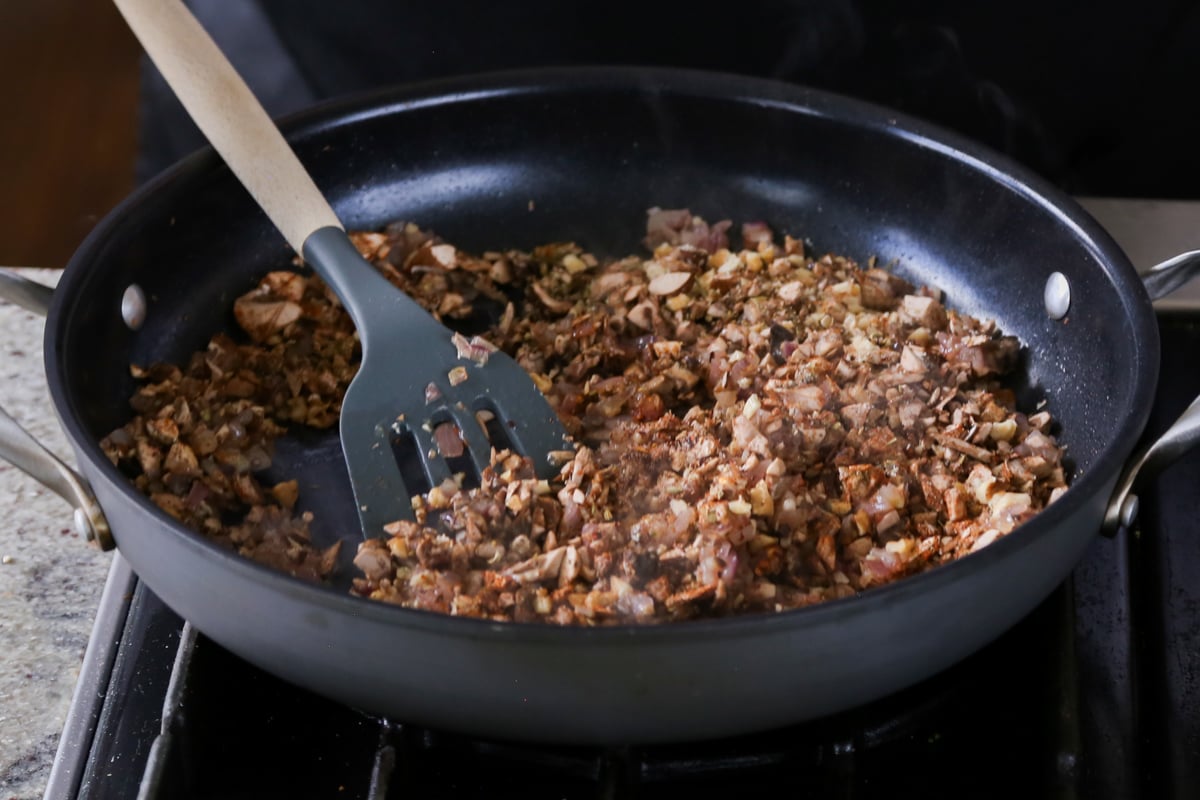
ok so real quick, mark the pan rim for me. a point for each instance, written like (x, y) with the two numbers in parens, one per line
(794, 98)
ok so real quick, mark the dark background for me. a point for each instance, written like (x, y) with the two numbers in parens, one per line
(1095, 95)
(1098, 97)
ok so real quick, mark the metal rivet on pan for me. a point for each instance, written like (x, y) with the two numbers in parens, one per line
(1057, 296)
(133, 306)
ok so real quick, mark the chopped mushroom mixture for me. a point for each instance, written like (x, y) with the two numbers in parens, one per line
(758, 428)
(203, 432)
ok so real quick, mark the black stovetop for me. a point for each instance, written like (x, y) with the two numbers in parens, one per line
(1093, 695)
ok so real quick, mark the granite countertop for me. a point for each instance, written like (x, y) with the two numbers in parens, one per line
(50, 578)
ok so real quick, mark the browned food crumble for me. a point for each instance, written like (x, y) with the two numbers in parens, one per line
(758, 429)
(201, 433)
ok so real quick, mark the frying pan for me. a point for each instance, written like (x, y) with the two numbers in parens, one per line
(517, 159)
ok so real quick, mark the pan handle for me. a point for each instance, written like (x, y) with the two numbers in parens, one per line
(19, 448)
(29, 295)
(1164, 278)
(1181, 437)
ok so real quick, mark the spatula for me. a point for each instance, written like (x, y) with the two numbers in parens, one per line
(412, 380)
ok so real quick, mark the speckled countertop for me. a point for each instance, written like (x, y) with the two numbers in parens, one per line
(50, 579)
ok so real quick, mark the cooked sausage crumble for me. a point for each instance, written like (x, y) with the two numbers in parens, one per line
(758, 429)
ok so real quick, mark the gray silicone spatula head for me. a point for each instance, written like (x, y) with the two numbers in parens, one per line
(412, 379)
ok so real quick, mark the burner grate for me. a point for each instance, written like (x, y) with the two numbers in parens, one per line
(228, 730)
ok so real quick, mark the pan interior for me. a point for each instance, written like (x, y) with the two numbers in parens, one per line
(583, 161)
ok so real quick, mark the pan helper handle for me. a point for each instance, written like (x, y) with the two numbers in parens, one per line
(19, 448)
(1181, 437)
(29, 295)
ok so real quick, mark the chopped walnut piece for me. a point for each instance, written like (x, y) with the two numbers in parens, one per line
(261, 318)
(669, 283)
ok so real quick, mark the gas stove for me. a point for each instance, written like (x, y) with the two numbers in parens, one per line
(1093, 695)
(1096, 694)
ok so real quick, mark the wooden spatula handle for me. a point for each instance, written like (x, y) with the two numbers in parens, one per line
(232, 119)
